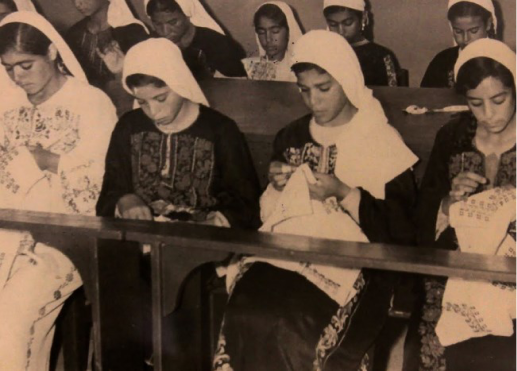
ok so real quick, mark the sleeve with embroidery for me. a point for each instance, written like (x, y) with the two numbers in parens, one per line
(81, 170)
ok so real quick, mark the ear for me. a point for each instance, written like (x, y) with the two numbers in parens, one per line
(52, 52)
(489, 24)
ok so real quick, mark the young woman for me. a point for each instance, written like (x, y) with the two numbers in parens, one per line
(470, 20)
(175, 157)
(206, 49)
(302, 316)
(472, 153)
(349, 18)
(54, 134)
(277, 31)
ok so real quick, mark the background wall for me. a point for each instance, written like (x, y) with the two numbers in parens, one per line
(415, 30)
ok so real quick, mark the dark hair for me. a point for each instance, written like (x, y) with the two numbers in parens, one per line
(468, 9)
(299, 68)
(155, 6)
(470, 75)
(336, 9)
(24, 38)
(10, 4)
(272, 12)
(138, 80)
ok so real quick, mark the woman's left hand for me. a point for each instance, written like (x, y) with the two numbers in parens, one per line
(328, 186)
(113, 58)
(45, 159)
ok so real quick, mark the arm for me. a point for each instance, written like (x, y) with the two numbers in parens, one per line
(238, 189)
(224, 56)
(434, 75)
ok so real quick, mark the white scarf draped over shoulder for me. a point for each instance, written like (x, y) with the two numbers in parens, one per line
(161, 58)
(197, 14)
(371, 152)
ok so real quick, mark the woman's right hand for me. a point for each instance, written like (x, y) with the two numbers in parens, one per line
(463, 185)
(131, 206)
(279, 174)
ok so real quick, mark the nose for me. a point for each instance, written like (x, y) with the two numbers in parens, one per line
(18, 74)
(269, 37)
(153, 111)
(341, 30)
(314, 100)
(488, 111)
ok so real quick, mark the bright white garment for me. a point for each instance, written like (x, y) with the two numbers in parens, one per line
(478, 308)
(352, 4)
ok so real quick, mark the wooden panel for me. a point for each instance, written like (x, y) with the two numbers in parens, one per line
(262, 108)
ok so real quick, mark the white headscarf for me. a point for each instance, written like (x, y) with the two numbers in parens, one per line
(36, 20)
(161, 58)
(120, 15)
(197, 14)
(25, 5)
(489, 48)
(295, 32)
(486, 4)
(370, 151)
(352, 4)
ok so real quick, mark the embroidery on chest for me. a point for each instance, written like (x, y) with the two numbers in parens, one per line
(54, 128)
(319, 159)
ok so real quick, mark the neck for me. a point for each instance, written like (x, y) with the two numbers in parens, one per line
(344, 117)
(187, 38)
(49, 90)
(361, 41)
(99, 20)
(488, 142)
(186, 117)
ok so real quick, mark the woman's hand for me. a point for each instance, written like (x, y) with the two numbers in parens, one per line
(131, 206)
(113, 57)
(328, 186)
(279, 174)
(45, 160)
(463, 185)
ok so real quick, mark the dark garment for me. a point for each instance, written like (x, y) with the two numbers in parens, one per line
(206, 167)
(453, 151)
(211, 51)
(84, 44)
(379, 65)
(278, 320)
(440, 73)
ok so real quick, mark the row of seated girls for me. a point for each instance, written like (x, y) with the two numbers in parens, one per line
(175, 158)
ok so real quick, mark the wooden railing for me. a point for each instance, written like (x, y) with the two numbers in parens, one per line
(177, 248)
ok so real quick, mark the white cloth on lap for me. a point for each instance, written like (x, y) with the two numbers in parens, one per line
(473, 309)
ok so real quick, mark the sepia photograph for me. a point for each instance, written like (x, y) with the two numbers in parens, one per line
(250, 185)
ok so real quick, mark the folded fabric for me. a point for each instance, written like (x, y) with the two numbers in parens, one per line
(472, 309)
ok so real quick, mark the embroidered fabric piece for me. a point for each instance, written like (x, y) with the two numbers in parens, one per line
(391, 72)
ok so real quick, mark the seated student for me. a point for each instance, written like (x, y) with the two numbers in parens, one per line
(95, 35)
(470, 20)
(175, 157)
(276, 31)
(349, 18)
(473, 153)
(50, 120)
(206, 49)
(300, 316)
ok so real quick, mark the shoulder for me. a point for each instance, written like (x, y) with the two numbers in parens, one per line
(295, 128)
(215, 120)
(381, 50)
(132, 120)
(77, 28)
(88, 93)
(454, 129)
(446, 55)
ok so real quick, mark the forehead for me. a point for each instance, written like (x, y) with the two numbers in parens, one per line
(312, 77)
(341, 16)
(12, 56)
(266, 22)
(487, 88)
(163, 17)
(467, 22)
(149, 91)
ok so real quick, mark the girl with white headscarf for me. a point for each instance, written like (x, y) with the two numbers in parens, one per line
(175, 158)
(206, 49)
(54, 134)
(100, 41)
(469, 21)
(350, 19)
(475, 152)
(341, 172)
(276, 32)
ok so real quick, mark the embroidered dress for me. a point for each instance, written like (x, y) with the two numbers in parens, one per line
(379, 64)
(440, 72)
(75, 123)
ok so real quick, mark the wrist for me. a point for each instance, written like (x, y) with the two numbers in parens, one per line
(342, 191)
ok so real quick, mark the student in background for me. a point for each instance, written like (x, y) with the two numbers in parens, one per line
(206, 49)
(276, 32)
(349, 18)
(470, 20)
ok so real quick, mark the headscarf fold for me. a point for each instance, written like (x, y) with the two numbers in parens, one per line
(488, 48)
(486, 4)
(352, 4)
(120, 15)
(197, 14)
(36, 20)
(367, 141)
(25, 5)
(161, 58)
(295, 32)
